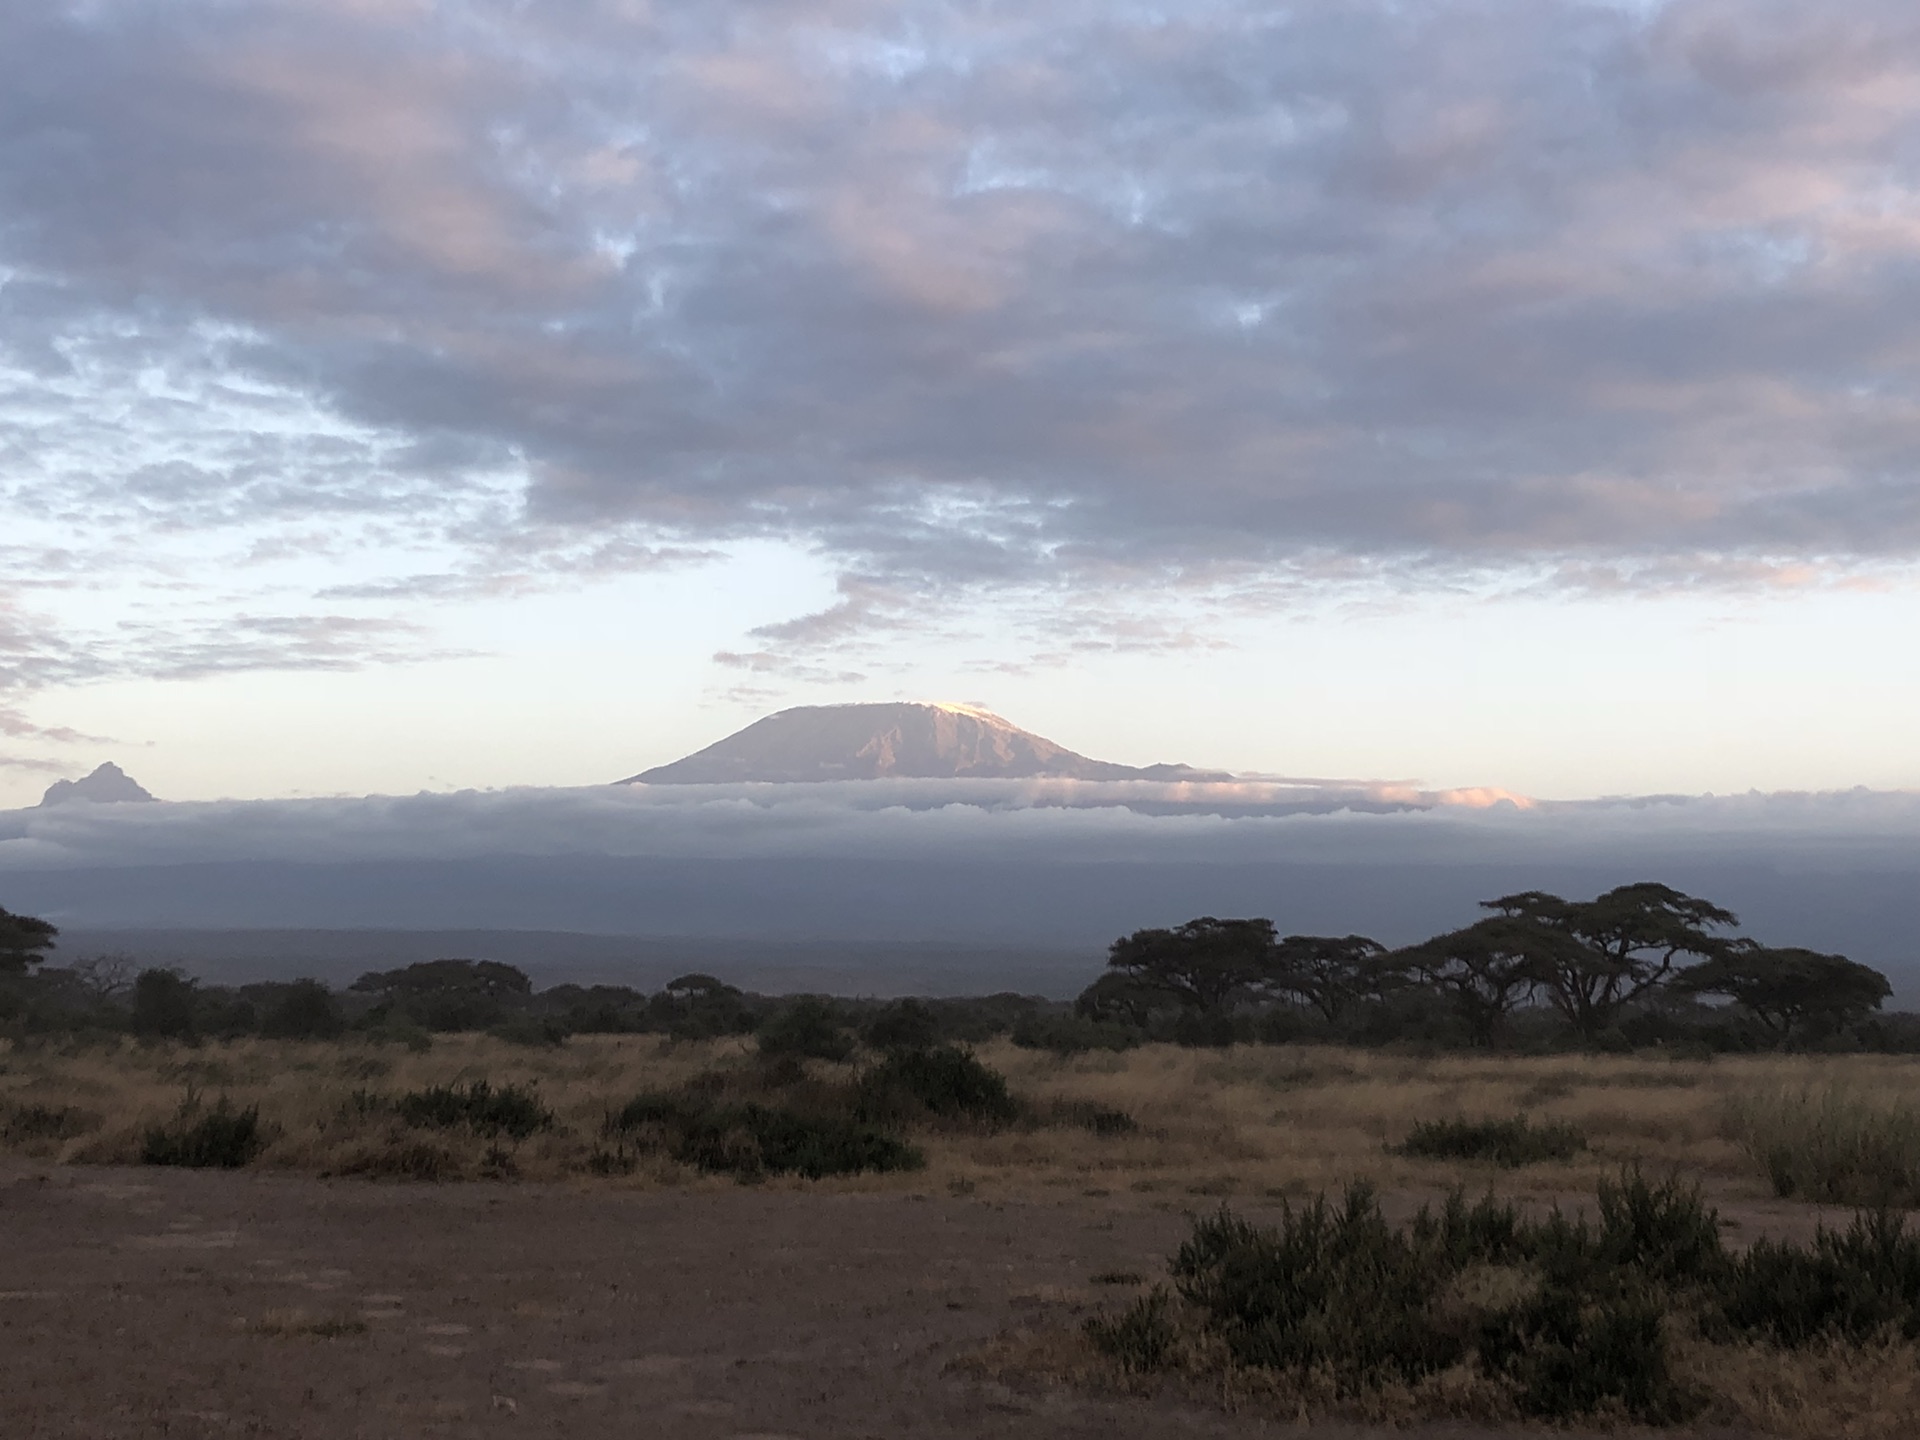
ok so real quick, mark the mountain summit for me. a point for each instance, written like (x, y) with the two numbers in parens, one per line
(910, 741)
(106, 784)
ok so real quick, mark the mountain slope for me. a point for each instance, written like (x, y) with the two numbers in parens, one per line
(906, 740)
(109, 783)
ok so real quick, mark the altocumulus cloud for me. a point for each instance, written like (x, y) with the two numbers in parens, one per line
(1049, 296)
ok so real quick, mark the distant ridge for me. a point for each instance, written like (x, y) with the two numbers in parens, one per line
(906, 740)
(108, 784)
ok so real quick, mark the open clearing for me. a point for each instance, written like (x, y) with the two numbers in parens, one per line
(280, 1300)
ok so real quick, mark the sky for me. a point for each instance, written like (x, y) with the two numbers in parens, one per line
(402, 396)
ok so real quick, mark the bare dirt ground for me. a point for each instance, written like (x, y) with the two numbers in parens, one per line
(183, 1303)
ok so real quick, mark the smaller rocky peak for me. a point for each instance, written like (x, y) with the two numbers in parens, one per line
(105, 786)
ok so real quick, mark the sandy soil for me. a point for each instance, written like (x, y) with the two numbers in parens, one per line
(179, 1303)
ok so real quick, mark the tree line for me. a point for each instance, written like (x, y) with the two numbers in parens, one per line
(1638, 951)
(1642, 964)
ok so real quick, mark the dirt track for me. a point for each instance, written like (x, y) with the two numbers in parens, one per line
(146, 1303)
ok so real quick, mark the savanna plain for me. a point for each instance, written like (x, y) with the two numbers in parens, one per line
(633, 1234)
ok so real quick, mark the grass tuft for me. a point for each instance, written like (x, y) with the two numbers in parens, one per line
(1507, 1143)
(510, 1110)
(1831, 1143)
(221, 1138)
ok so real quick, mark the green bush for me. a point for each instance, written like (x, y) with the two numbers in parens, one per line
(303, 1010)
(945, 1081)
(1854, 1284)
(1143, 1335)
(903, 1025)
(1832, 1144)
(752, 1139)
(1569, 1353)
(807, 1029)
(1073, 1034)
(1510, 1143)
(1331, 1289)
(1570, 1318)
(163, 1006)
(510, 1110)
(222, 1138)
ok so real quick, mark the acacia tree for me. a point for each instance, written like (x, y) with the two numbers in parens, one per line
(1790, 989)
(1612, 950)
(1121, 998)
(1200, 964)
(23, 939)
(450, 994)
(1330, 973)
(1486, 970)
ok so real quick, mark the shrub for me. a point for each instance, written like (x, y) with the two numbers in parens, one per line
(1665, 1230)
(1568, 1354)
(1832, 1144)
(27, 1123)
(944, 1081)
(305, 1010)
(1142, 1337)
(408, 1160)
(1332, 1289)
(1568, 1318)
(903, 1025)
(1854, 1284)
(806, 1029)
(541, 1032)
(163, 1003)
(1510, 1143)
(755, 1140)
(478, 1107)
(221, 1138)
(1072, 1034)
(752, 1139)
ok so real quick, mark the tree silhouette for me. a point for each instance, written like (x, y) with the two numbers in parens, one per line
(23, 939)
(1485, 970)
(1610, 951)
(1330, 973)
(1200, 964)
(1791, 989)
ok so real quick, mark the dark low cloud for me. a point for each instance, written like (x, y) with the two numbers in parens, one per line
(1081, 822)
(1609, 295)
(998, 866)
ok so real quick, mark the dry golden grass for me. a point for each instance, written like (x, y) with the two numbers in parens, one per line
(1249, 1122)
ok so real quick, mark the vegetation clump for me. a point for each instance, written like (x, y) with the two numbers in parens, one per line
(1507, 1143)
(942, 1081)
(1561, 1317)
(221, 1138)
(1832, 1144)
(751, 1139)
(24, 1124)
(808, 1029)
(511, 1110)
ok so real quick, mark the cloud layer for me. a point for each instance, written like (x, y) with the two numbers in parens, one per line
(1002, 865)
(983, 292)
(1057, 821)
(443, 297)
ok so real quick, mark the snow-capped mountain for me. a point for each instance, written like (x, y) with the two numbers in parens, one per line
(905, 740)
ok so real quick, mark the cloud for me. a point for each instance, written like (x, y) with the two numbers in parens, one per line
(1061, 821)
(1009, 866)
(1086, 299)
